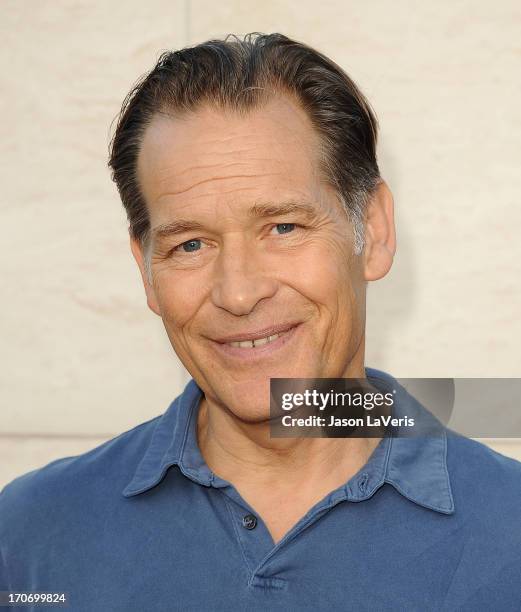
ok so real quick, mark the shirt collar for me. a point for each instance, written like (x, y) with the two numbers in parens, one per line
(415, 466)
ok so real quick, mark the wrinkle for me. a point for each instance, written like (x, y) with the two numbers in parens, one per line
(209, 180)
(208, 166)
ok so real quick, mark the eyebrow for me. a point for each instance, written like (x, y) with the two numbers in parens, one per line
(178, 226)
(258, 211)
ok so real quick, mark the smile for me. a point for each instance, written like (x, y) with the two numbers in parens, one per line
(260, 344)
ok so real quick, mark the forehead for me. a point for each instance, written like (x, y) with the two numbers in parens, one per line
(217, 156)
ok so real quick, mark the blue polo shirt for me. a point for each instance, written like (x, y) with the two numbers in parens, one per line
(141, 523)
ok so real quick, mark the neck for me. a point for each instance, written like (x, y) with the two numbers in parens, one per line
(245, 453)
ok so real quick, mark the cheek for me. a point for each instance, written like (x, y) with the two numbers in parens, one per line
(179, 297)
(328, 275)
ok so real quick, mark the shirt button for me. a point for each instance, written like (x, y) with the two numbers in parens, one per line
(362, 482)
(249, 521)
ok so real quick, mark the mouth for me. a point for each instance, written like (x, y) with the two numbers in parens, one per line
(256, 343)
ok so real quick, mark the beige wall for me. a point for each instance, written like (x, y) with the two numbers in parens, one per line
(83, 359)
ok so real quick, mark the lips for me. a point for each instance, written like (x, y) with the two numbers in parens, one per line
(253, 345)
(259, 336)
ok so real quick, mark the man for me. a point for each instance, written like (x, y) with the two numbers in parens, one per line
(257, 216)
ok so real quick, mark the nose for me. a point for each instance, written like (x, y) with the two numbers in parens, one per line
(241, 280)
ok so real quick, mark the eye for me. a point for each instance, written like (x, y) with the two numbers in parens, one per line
(189, 246)
(284, 228)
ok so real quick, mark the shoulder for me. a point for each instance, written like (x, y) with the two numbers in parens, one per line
(479, 458)
(482, 477)
(69, 481)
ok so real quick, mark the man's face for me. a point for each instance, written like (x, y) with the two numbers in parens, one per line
(248, 242)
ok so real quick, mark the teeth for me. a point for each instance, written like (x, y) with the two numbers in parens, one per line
(256, 342)
(245, 344)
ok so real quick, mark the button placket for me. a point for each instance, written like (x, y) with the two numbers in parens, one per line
(255, 541)
(252, 535)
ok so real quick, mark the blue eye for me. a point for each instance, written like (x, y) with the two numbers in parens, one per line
(190, 245)
(285, 228)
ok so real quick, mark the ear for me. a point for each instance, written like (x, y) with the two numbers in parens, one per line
(137, 251)
(380, 234)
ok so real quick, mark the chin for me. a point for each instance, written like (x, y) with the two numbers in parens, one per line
(248, 401)
(253, 415)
